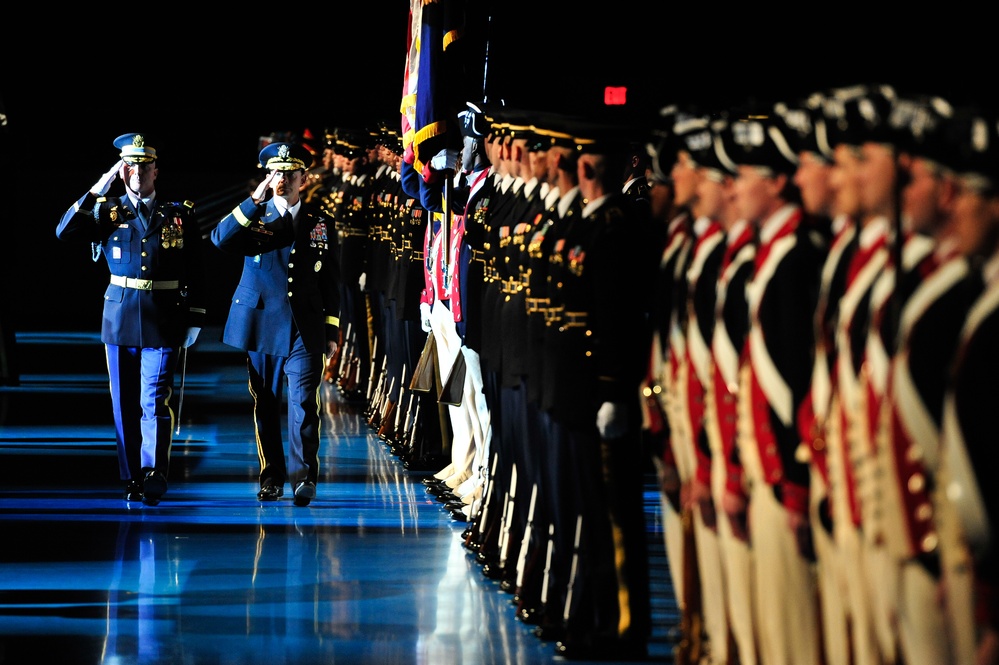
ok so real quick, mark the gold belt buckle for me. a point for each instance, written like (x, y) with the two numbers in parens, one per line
(144, 284)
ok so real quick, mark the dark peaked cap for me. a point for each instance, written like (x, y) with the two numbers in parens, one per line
(134, 148)
(285, 157)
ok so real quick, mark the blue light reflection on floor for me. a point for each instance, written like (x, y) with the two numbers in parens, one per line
(373, 571)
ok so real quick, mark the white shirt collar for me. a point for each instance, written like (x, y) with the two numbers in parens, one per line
(281, 205)
(149, 200)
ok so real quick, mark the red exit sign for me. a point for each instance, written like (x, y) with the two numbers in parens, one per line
(615, 95)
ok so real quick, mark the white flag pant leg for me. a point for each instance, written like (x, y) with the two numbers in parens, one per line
(141, 382)
(473, 409)
(448, 347)
(473, 402)
(482, 419)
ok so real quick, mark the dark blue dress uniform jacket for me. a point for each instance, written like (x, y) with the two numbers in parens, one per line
(158, 312)
(286, 273)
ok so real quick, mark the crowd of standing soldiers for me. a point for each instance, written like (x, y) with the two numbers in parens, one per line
(782, 312)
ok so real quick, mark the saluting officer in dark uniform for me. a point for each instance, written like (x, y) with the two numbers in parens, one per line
(285, 314)
(153, 307)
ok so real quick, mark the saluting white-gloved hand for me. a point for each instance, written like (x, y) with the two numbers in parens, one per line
(444, 160)
(612, 420)
(102, 186)
(192, 336)
(425, 316)
(260, 193)
(362, 281)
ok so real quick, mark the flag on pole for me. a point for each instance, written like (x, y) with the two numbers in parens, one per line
(433, 78)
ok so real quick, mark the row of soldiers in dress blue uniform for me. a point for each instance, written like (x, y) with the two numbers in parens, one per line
(823, 493)
(536, 346)
(535, 288)
(381, 232)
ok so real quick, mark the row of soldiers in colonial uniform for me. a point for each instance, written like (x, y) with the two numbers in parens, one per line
(820, 381)
(815, 415)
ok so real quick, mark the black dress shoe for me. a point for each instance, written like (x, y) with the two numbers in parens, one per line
(270, 493)
(305, 491)
(485, 556)
(154, 486)
(458, 515)
(529, 615)
(602, 649)
(549, 631)
(438, 490)
(133, 490)
(492, 570)
(448, 497)
(429, 462)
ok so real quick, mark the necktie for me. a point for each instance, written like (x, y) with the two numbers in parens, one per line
(143, 211)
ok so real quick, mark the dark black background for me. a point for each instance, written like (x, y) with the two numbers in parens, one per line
(208, 87)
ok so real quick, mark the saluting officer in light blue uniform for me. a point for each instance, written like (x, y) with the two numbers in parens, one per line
(153, 307)
(285, 314)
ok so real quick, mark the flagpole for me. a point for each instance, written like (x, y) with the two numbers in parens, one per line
(485, 60)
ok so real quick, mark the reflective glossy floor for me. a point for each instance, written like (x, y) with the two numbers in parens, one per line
(373, 571)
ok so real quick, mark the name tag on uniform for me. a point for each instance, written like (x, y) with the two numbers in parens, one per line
(116, 253)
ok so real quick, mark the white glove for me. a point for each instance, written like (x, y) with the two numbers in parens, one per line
(612, 420)
(425, 316)
(192, 336)
(444, 160)
(362, 281)
(263, 188)
(102, 186)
